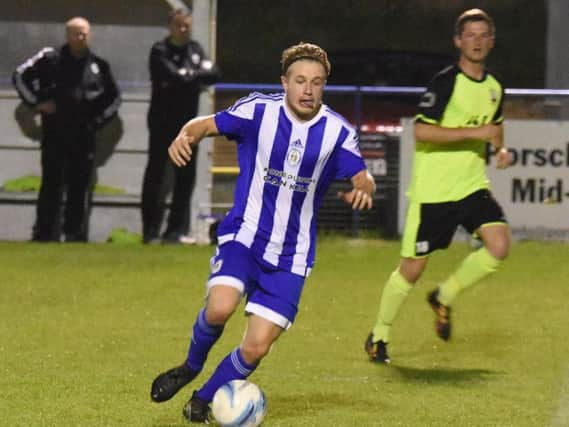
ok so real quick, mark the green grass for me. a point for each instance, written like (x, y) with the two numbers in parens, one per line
(85, 328)
(124, 236)
(28, 183)
(32, 183)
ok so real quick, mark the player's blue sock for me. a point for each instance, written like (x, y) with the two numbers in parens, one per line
(204, 337)
(233, 367)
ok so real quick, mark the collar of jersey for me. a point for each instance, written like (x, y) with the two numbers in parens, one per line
(485, 73)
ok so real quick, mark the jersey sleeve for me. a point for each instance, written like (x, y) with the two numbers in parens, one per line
(234, 122)
(348, 159)
(27, 78)
(435, 99)
(499, 115)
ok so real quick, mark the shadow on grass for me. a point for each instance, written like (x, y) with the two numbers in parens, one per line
(452, 376)
(312, 404)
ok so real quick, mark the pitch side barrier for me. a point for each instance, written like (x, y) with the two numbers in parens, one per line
(534, 191)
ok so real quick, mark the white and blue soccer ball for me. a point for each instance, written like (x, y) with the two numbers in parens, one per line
(239, 403)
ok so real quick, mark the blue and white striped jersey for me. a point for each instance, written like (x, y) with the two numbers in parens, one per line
(286, 167)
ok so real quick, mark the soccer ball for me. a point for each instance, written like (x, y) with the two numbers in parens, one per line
(239, 403)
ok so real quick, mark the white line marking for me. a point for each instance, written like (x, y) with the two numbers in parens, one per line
(561, 417)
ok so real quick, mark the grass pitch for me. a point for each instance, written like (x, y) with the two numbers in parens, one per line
(85, 328)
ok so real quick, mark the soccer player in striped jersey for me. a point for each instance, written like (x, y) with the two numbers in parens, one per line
(458, 114)
(290, 148)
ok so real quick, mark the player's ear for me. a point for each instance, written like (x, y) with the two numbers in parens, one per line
(284, 81)
(457, 41)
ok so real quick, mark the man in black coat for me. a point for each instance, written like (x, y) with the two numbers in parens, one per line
(76, 94)
(179, 70)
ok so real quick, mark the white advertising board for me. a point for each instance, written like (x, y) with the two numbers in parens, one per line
(534, 190)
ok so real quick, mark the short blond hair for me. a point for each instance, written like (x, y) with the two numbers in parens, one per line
(473, 15)
(305, 51)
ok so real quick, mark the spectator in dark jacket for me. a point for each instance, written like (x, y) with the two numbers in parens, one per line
(179, 70)
(75, 93)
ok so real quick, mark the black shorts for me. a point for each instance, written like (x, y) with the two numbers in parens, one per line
(431, 226)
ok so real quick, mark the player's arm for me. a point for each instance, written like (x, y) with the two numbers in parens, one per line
(192, 133)
(493, 133)
(503, 157)
(361, 196)
(436, 134)
(431, 110)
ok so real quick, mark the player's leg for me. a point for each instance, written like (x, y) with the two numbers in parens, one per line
(427, 227)
(496, 238)
(394, 294)
(237, 365)
(207, 329)
(272, 306)
(479, 263)
(226, 285)
(485, 217)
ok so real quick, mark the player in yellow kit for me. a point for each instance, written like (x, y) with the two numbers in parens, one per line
(458, 114)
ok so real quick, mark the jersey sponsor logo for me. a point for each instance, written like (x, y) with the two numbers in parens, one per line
(294, 182)
(477, 120)
(428, 100)
(275, 177)
(421, 247)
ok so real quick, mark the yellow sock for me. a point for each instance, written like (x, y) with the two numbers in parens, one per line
(474, 268)
(395, 292)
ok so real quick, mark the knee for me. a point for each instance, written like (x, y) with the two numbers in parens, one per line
(218, 314)
(411, 276)
(499, 249)
(412, 269)
(254, 351)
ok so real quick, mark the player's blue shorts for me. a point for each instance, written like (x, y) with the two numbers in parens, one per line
(272, 294)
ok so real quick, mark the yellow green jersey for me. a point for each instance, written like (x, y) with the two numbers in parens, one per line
(452, 171)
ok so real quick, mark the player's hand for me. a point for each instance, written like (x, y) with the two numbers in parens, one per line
(359, 199)
(180, 151)
(503, 158)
